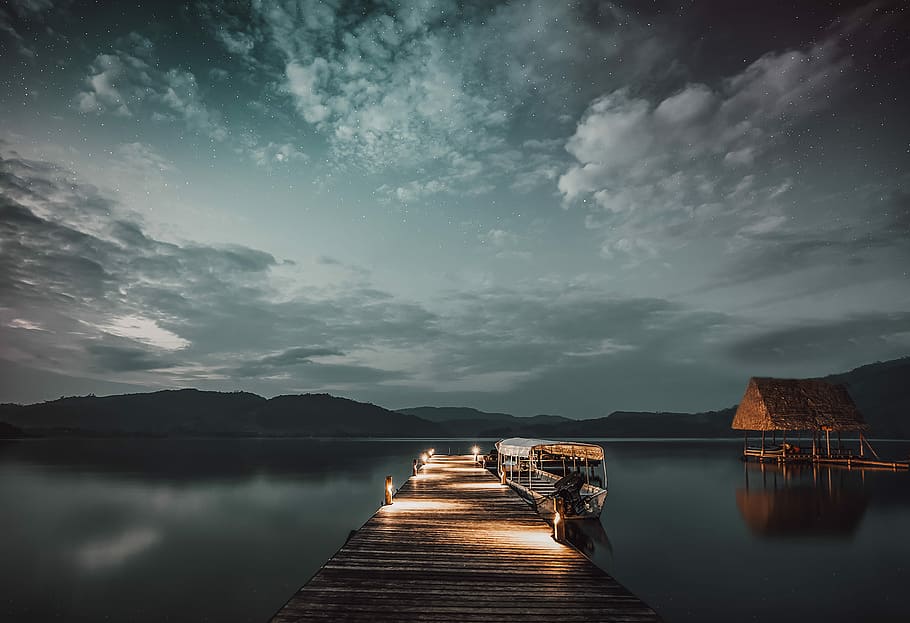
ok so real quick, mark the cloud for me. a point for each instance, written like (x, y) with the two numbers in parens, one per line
(114, 298)
(278, 363)
(276, 154)
(145, 330)
(128, 79)
(832, 344)
(434, 87)
(119, 303)
(647, 170)
(119, 359)
(379, 86)
(29, 11)
(772, 245)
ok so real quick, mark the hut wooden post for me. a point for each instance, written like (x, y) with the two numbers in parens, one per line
(763, 443)
(861, 453)
(828, 441)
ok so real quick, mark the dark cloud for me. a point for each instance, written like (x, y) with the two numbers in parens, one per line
(107, 358)
(264, 366)
(862, 337)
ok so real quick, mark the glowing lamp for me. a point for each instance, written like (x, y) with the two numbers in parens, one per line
(424, 457)
(475, 450)
(555, 527)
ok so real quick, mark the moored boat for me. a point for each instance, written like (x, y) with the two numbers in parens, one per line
(565, 477)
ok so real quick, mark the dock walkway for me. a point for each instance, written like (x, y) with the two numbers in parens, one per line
(455, 545)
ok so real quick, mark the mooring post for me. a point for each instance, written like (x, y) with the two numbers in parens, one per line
(502, 476)
(414, 468)
(388, 490)
(558, 529)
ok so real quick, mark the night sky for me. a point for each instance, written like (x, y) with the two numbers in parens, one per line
(536, 207)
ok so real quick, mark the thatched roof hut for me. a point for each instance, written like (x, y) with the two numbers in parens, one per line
(797, 404)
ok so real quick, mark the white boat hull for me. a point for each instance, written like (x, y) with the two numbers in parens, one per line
(545, 505)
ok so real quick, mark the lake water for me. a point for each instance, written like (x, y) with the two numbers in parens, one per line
(227, 530)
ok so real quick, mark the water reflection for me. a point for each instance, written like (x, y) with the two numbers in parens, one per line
(588, 536)
(227, 530)
(213, 529)
(802, 500)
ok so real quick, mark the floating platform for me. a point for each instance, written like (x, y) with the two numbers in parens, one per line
(455, 545)
(846, 459)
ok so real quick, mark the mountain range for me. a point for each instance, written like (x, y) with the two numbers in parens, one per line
(880, 390)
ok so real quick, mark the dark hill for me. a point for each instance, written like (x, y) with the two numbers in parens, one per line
(323, 415)
(880, 390)
(468, 422)
(169, 412)
(8, 431)
(454, 414)
(189, 412)
(649, 424)
(882, 393)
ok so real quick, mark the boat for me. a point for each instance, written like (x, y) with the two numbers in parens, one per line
(564, 477)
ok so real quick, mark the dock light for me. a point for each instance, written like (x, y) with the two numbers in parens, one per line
(431, 451)
(424, 458)
(556, 527)
(476, 451)
(388, 490)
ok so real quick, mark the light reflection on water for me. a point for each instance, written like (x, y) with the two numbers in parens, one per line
(188, 530)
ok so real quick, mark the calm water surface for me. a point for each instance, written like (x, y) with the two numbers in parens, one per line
(227, 530)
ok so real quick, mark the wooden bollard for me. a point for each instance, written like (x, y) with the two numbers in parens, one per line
(502, 477)
(414, 468)
(559, 524)
(388, 490)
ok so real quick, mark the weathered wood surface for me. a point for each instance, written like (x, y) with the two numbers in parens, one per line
(457, 546)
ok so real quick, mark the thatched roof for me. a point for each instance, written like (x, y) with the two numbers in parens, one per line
(797, 404)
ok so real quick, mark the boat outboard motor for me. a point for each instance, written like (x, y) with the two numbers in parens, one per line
(569, 489)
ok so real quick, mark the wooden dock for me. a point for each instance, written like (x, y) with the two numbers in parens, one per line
(455, 545)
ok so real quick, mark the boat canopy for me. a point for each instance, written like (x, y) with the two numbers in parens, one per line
(522, 447)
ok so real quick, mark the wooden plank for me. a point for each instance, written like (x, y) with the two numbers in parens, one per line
(456, 546)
